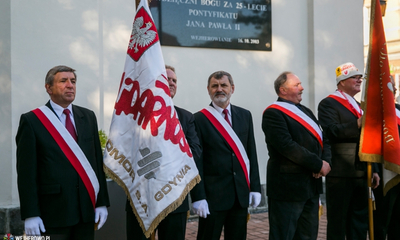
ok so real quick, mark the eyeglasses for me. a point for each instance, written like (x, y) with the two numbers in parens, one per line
(358, 77)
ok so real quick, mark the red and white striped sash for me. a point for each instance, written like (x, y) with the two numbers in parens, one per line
(298, 115)
(347, 102)
(71, 150)
(230, 136)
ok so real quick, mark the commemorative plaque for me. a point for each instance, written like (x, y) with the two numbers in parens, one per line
(228, 24)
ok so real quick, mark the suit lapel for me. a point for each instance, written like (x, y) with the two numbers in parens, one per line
(51, 108)
(235, 119)
(79, 122)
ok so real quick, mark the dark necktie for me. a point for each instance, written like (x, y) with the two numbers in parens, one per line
(299, 107)
(225, 111)
(68, 124)
(302, 109)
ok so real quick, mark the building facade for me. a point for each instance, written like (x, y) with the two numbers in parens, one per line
(309, 37)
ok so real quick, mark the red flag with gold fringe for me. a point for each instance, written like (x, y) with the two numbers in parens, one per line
(379, 140)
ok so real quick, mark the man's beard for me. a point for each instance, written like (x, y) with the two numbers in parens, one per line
(221, 98)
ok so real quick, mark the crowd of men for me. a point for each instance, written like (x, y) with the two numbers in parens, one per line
(55, 200)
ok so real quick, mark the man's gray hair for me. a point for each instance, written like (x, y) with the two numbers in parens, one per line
(219, 75)
(52, 72)
(282, 78)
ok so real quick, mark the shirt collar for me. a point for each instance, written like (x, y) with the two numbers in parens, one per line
(219, 109)
(287, 101)
(59, 110)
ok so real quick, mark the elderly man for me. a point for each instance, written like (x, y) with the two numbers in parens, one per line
(299, 157)
(61, 183)
(228, 166)
(173, 226)
(346, 185)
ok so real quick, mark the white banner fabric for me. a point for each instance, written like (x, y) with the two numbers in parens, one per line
(147, 152)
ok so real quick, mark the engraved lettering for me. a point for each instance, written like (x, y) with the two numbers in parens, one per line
(199, 24)
(213, 3)
(212, 14)
(227, 4)
(218, 25)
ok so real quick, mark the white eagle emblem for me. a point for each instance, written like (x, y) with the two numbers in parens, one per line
(141, 36)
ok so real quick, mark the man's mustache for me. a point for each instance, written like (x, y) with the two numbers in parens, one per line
(220, 93)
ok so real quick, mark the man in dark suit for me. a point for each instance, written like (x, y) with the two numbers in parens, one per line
(299, 157)
(173, 226)
(229, 178)
(58, 199)
(346, 185)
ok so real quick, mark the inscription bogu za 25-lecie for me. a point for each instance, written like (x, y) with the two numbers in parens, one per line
(214, 23)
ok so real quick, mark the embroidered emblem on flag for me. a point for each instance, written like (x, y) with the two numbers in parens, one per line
(144, 34)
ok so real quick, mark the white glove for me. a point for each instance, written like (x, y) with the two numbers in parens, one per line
(201, 208)
(33, 226)
(255, 199)
(100, 216)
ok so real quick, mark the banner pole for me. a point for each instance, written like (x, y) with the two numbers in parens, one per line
(370, 203)
(138, 1)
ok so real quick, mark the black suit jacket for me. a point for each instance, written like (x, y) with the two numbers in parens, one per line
(187, 122)
(222, 178)
(294, 155)
(48, 185)
(340, 126)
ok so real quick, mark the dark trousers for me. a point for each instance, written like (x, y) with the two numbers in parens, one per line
(172, 227)
(387, 213)
(80, 231)
(347, 208)
(293, 220)
(393, 230)
(234, 222)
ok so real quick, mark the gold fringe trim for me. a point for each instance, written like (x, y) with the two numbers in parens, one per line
(393, 182)
(392, 167)
(165, 212)
(367, 157)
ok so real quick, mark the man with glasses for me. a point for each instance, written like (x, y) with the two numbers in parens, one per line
(346, 185)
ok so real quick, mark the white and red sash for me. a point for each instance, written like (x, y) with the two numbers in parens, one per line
(71, 150)
(298, 115)
(230, 136)
(348, 102)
